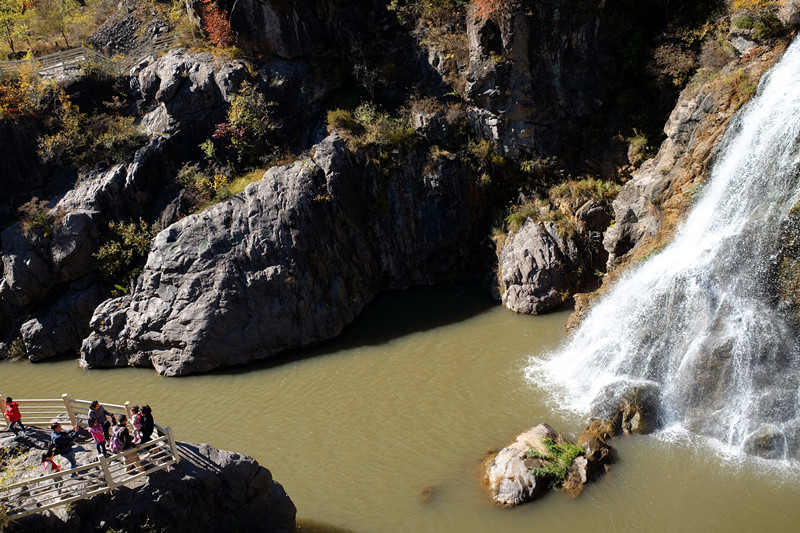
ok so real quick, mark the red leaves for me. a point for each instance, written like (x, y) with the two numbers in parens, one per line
(216, 24)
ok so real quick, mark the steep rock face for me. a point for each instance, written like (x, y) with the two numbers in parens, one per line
(291, 29)
(650, 206)
(288, 263)
(45, 276)
(50, 284)
(542, 65)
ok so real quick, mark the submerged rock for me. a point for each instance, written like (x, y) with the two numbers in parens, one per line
(767, 442)
(631, 407)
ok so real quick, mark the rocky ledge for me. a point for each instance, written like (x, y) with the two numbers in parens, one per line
(209, 490)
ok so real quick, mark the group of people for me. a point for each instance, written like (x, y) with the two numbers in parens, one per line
(104, 427)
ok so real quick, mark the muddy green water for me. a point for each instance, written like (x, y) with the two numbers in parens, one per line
(385, 429)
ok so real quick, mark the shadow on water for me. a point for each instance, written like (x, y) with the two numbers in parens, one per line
(390, 316)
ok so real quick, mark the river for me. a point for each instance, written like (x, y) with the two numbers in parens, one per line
(385, 428)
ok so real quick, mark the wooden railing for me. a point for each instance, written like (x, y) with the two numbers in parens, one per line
(34, 494)
(52, 63)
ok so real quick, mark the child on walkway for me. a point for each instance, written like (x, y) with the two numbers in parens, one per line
(51, 467)
(48, 462)
(14, 417)
(121, 433)
(96, 431)
(136, 422)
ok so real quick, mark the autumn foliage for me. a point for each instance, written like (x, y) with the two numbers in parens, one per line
(483, 9)
(216, 24)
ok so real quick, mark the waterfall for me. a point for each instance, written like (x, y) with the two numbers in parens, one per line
(699, 320)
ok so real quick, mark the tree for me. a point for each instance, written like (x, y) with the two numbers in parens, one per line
(56, 16)
(12, 21)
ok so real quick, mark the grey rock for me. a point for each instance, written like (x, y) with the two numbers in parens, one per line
(39, 270)
(509, 475)
(637, 213)
(544, 264)
(742, 39)
(789, 12)
(632, 407)
(285, 264)
(64, 323)
(188, 88)
(767, 442)
(536, 273)
(534, 76)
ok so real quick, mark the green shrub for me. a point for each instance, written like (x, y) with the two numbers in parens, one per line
(344, 121)
(744, 22)
(121, 257)
(557, 460)
(36, 218)
(767, 26)
(85, 141)
(366, 125)
(17, 350)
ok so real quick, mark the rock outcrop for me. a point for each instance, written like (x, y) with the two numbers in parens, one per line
(209, 490)
(50, 283)
(519, 473)
(652, 204)
(544, 263)
(629, 407)
(287, 263)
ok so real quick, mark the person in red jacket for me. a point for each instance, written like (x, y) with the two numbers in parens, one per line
(13, 417)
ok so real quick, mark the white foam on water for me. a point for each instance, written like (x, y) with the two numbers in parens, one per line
(699, 318)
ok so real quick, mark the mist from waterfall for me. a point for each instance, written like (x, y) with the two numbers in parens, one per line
(699, 319)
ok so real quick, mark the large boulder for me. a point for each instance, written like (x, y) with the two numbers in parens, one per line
(537, 271)
(523, 471)
(544, 263)
(286, 264)
(509, 475)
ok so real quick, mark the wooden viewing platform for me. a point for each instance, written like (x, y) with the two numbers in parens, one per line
(51, 64)
(34, 493)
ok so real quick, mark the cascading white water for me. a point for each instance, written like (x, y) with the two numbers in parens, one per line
(699, 319)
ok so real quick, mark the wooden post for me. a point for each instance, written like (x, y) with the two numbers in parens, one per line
(72, 416)
(173, 446)
(128, 410)
(3, 399)
(107, 473)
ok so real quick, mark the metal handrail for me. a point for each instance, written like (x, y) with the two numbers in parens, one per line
(37, 494)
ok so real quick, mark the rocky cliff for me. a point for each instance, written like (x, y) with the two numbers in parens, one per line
(288, 263)
(493, 99)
